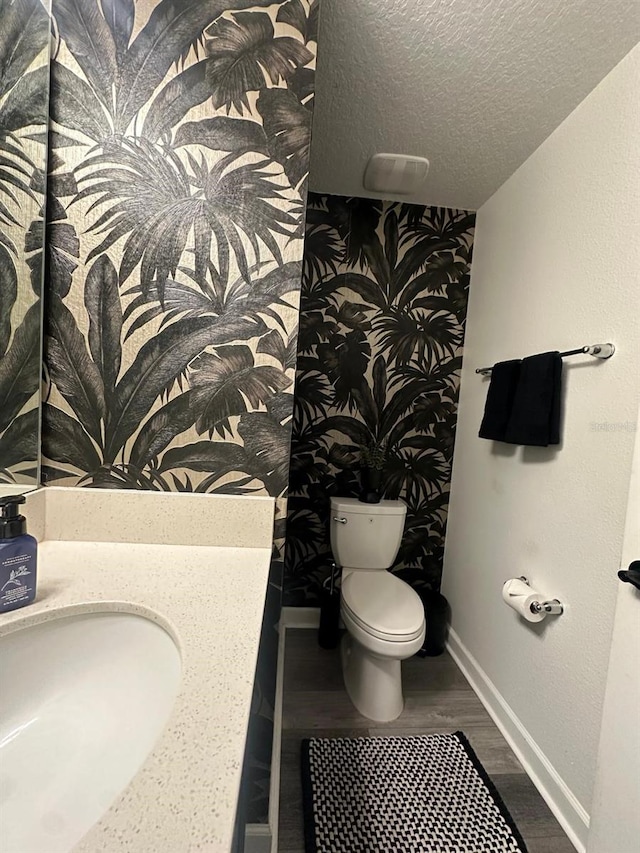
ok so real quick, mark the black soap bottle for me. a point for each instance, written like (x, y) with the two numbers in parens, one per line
(18, 556)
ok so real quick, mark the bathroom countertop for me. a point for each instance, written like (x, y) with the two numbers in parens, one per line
(211, 600)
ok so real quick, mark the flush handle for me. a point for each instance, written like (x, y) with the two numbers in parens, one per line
(339, 520)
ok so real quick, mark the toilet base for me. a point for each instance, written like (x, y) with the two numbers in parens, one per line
(373, 683)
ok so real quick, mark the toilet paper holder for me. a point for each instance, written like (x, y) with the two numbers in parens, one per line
(553, 607)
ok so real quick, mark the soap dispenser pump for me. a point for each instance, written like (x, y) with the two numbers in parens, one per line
(18, 555)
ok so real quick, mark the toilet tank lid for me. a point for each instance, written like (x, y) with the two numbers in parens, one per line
(353, 505)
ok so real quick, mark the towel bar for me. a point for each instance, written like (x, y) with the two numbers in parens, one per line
(596, 350)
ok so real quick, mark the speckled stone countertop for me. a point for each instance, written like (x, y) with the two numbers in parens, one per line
(210, 598)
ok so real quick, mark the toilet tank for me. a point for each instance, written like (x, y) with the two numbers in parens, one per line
(366, 536)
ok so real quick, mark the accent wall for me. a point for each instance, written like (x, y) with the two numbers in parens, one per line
(382, 320)
(179, 151)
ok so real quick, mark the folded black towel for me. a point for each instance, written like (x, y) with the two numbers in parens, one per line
(535, 415)
(500, 396)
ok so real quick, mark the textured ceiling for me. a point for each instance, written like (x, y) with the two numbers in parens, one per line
(474, 85)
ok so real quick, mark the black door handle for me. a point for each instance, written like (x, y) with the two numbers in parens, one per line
(632, 574)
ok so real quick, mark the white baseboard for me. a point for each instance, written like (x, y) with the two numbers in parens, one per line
(263, 838)
(570, 814)
(300, 617)
(276, 758)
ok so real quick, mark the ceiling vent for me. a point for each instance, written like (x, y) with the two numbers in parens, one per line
(395, 174)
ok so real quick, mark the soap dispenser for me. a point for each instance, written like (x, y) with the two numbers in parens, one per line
(18, 554)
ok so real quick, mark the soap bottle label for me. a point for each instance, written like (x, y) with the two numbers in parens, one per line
(19, 585)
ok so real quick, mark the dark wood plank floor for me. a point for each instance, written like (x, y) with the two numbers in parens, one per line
(438, 699)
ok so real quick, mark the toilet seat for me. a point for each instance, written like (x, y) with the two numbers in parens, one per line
(383, 606)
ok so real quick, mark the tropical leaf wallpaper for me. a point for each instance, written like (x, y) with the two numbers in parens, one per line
(179, 149)
(24, 89)
(382, 319)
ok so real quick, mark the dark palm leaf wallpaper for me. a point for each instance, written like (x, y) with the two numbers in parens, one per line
(24, 86)
(382, 320)
(179, 152)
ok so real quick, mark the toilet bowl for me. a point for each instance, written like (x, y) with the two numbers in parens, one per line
(383, 615)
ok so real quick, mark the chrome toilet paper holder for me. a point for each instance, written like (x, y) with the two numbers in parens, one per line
(552, 606)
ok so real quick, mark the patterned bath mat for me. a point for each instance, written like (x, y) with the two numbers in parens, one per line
(402, 795)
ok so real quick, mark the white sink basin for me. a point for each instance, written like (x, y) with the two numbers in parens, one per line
(83, 700)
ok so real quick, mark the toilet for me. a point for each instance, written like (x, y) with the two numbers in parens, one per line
(383, 615)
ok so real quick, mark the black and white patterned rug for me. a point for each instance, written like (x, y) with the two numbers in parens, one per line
(402, 795)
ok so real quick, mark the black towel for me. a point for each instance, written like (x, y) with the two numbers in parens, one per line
(500, 397)
(535, 415)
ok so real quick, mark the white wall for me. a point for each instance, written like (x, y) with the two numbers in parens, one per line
(556, 261)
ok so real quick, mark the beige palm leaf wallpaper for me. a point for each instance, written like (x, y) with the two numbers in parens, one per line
(177, 182)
